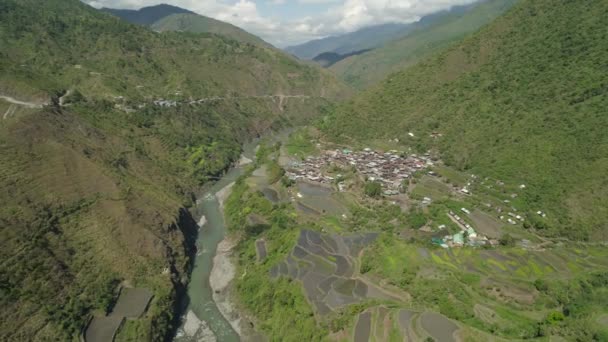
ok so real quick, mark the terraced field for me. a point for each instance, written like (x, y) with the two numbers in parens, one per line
(132, 303)
(499, 291)
(393, 324)
(376, 286)
(327, 267)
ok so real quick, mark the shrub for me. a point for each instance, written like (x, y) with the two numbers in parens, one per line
(373, 189)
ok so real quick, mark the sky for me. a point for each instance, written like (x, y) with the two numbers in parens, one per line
(290, 22)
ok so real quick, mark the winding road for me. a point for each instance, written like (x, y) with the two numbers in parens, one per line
(14, 103)
(21, 103)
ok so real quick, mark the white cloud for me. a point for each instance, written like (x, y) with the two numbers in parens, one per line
(340, 16)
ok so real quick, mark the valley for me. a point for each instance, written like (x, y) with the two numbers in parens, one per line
(168, 176)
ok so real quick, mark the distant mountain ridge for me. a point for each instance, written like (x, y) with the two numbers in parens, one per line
(147, 15)
(371, 37)
(432, 34)
(171, 18)
(196, 23)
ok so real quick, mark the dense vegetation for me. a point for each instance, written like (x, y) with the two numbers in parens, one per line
(428, 37)
(521, 101)
(110, 58)
(95, 186)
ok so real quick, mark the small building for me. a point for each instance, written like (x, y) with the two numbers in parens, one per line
(471, 233)
(458, 239)
(437, 241)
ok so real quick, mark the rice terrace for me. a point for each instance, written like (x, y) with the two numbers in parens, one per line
(376, 274)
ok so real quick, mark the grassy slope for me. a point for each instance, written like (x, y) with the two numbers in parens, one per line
(200, 24)
(361, 71)
(93, 195)
(521, 100)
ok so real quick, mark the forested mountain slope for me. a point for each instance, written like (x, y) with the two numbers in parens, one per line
(200, 24)
(523, 100)
(146, 15)
(433, 35)
(95, 183)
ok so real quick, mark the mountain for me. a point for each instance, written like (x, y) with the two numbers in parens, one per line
(371, 37)
(327, 59)
(441, 30)
(170, 18)
(365, 38)
(146, 15)
(191, 22)
(107, 129)
(522, 100)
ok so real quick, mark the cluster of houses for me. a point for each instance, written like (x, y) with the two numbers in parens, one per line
(467, 235)
(165, 103)
(513, 218)
(389, 169)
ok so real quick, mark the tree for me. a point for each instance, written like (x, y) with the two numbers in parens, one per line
(541, 285)
(507, 240)
(373, 189)
(287, 182)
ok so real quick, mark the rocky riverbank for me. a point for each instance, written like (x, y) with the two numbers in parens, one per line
(223, 272)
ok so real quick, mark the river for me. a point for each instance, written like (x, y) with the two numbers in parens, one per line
(202, 320)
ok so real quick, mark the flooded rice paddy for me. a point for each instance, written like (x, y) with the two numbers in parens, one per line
(317, 199)
(103, 329)
(440, 328)
(381, 323)
(327, 267)
(260, 247)
(363, 327)
(131, 303)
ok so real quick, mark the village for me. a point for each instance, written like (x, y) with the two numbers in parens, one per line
(389, 169)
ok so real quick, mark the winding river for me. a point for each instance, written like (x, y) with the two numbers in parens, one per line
(202, 320)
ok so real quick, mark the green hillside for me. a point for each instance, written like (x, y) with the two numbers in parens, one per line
(146, 15)
(364, 70)
(200, 24)
(108, 57)
(523, 100)
(96, 183)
